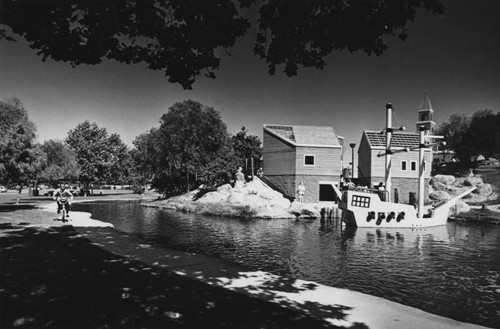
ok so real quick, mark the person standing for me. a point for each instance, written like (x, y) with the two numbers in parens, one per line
(381, 191)
(240, 179)
(301, 191)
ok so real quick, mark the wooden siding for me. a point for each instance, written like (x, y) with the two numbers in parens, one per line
(327, 161)
(364, 158)
(279, 157)
(378, 164)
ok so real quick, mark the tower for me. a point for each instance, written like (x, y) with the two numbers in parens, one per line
(425, 115)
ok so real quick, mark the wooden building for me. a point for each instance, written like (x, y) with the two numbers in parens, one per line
(404, 165)
(309, 154)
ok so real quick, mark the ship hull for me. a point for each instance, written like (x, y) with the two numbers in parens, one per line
(365, 209)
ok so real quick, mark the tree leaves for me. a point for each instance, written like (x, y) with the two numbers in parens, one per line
(19, 153)
(190, 147)
(472, 136)
(181, 37)
(60, 163)
(101, 157)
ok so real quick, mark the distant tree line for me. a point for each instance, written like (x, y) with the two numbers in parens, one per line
(471, 136)
(191, 147)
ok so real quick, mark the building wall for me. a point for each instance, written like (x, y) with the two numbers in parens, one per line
(405, 181)
(284, 166)
(279, 157)
(378, 164)
(286, 183)
(327, 161)
(364, 159)
(311, 183)
(405, 185)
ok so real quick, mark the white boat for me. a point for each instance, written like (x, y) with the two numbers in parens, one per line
(362, 207)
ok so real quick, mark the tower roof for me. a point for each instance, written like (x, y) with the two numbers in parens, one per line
(426, 102)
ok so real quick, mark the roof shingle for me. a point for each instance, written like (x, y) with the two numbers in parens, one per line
(305, 135)
(398, 139)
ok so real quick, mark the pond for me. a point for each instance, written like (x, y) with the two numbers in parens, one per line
(452, 270)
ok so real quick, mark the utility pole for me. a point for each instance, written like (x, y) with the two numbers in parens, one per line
(353, 145)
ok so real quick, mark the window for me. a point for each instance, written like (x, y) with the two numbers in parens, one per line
(413, 166)
(360, 201)
(309, 160)
(403, 165)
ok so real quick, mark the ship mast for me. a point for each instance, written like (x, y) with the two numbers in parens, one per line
(421, 168)
(388, 152)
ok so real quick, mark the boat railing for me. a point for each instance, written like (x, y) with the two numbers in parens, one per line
(361, 189)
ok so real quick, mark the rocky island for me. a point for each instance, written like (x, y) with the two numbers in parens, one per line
(250, 200)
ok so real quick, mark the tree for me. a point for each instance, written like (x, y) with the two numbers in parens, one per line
(60, 163)
(191, 147)
(20, 155)
(455, 135)
(144, 157)
(484, 132)
(90, 144)
(473, 136)
(182, 37)
(119, 158)
(247, 148)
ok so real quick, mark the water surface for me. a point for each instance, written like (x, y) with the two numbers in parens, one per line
(452, 270)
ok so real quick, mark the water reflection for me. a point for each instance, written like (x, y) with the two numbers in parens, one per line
(451, 270)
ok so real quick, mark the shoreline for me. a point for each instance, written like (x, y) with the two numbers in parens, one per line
(338, 307)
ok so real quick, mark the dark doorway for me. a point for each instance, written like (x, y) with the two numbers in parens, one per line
(326, 193)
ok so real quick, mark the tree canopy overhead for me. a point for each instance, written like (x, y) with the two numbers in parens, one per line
(181, 37)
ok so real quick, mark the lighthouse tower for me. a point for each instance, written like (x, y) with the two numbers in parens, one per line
(425, 115)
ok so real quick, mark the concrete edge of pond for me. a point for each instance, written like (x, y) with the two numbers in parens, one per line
(340, 307)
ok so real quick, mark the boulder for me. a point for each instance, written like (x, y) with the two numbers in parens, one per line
(459, 207)
(304, 210)
(443, 179)
(473, 181)
(438, 186)
(455, 190)
(225, 189)
(459, 181)
(483, 189)
(439, 196)
(235, 197)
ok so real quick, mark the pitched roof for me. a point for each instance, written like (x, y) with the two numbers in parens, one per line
(398, 139)
(304, 135)
(426, 103)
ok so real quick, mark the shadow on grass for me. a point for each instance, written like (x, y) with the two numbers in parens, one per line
(55, 278)
(12, 207)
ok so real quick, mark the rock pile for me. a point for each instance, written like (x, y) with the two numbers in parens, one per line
(253, 200)
(445, 187)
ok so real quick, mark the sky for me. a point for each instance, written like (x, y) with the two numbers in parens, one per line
(455, 58)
